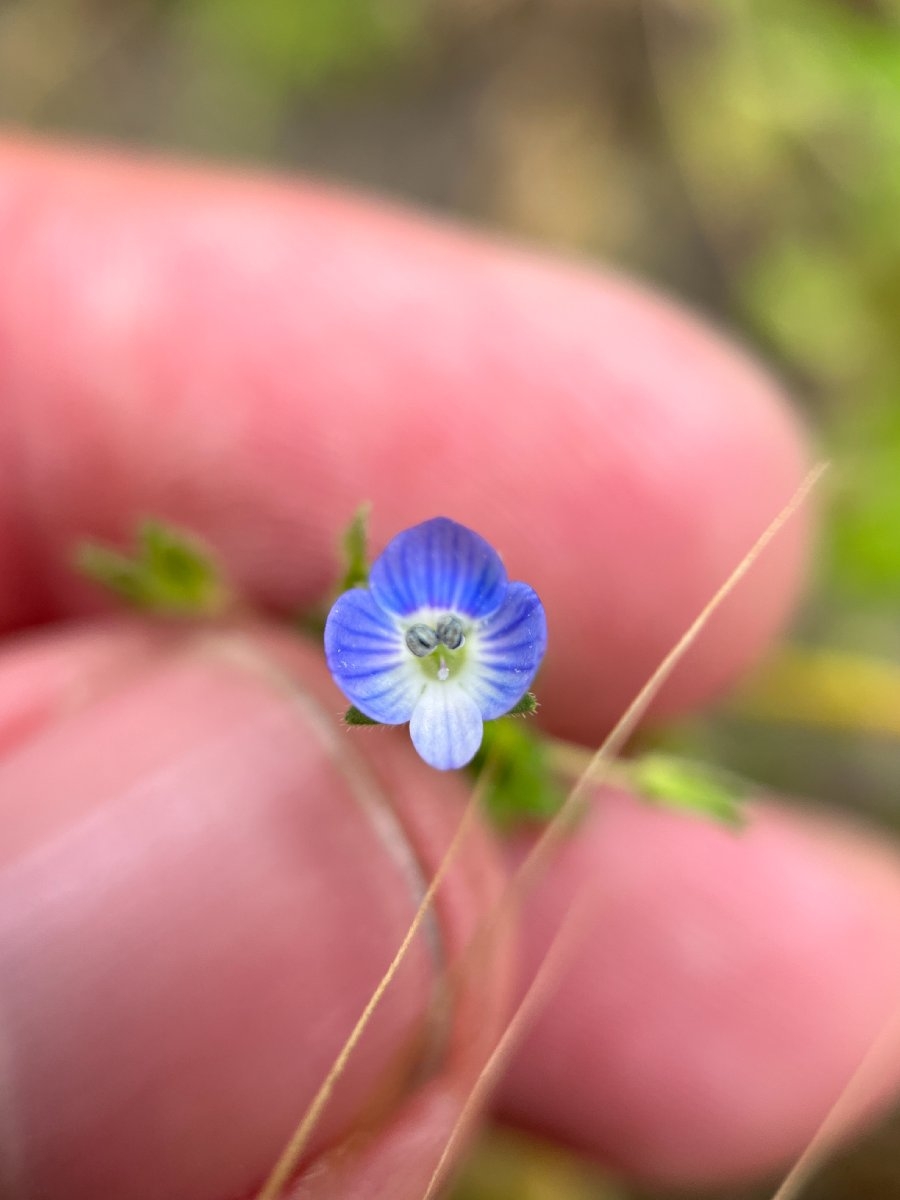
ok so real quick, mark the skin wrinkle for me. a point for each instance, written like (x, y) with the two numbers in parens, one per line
(373, 800)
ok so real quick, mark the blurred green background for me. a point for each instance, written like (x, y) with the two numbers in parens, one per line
(743, 156)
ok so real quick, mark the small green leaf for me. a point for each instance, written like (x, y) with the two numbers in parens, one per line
(354, 556)
(523, 788)
(689, 786)
(181, 568)
(354, 717)
(111, 570)
(526, 707)
(355, 547)
(170, 572)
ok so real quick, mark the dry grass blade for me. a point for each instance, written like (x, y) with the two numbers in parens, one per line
(293, 1151)
(544, 979)
(538, 992)
(861, 1087)
(630, 719)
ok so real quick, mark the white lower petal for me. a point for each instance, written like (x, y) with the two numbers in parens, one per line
(446, 726)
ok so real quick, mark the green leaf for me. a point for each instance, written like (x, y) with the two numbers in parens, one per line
(689, 786)
(354, 556)
(355, 548)
(523, 787)
(354, 717)
(111, 570)
(526, 707)
(170, 572)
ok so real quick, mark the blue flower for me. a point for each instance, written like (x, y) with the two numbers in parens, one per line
(440, 638)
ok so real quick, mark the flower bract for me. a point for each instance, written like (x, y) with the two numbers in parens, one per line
(440, 638)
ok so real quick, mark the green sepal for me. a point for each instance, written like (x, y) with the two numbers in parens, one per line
(690, 786)
(526, 707)
(354, 555)
(170, 572)
(355, 550)
(522, 785)
(354, 717)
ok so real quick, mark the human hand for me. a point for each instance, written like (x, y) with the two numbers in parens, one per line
(203, 876)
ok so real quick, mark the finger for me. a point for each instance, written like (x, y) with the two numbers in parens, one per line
(254, 360)
(45, 680)
(201, 882)
(725, 990)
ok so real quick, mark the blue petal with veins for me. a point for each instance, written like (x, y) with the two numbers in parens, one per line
(493, 636)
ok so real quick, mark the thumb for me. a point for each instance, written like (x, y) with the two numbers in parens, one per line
(201, 883)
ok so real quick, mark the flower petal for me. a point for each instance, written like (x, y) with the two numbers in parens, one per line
(441, 565)
(506, 652)
(368, 659)
(446, 726)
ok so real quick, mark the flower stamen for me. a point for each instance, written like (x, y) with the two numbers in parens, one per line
(450, 632)
(421, 640)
